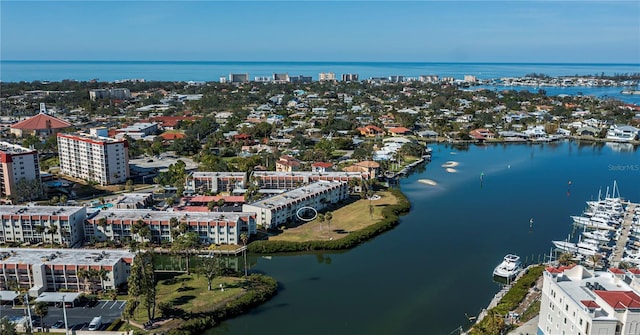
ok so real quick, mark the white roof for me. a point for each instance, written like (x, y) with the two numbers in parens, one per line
(57, 296)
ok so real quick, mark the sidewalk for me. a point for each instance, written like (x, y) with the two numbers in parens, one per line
(529, 328)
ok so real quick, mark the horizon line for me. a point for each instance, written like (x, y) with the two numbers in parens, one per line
(308, 61)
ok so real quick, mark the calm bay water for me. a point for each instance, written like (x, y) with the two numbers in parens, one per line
(423, 276)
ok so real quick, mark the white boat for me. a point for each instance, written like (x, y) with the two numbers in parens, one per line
(509, 267)
(598, 235)
(565, 246)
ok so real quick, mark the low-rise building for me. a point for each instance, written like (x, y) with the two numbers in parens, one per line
(41, 124)
(40, 270)
(284, 208)
(578, 301)
(211, 227)
(58, 224)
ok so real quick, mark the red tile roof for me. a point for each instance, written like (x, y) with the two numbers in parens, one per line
(559, 269)
(399, 130)
(635, 271)
(590, 304)
(616, 271)
(171, 136)
(172, 121)
(209, 198)
(620, 299)
(322, 164)
(40, 122)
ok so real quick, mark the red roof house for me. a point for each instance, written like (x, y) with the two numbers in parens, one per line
(40, 125)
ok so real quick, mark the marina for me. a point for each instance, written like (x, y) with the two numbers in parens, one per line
(610, 229)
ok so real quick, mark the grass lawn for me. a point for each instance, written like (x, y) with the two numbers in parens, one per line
(190, 294)
(346, 219)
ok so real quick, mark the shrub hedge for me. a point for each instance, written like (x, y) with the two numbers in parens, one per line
(390, 218)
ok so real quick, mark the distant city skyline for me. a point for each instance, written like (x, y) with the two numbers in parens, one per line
(366, 31)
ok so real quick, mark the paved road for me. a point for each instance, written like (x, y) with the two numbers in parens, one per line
(77, 317)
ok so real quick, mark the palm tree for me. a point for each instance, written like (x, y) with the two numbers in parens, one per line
(41, 309)
(565, 258)
(320, 220)
(244, 238)
(40, 230)
(53, 229)
(328, 216)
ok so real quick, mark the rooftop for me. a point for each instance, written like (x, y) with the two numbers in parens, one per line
(39, 210)
(295, 194)
(136, 214)
(9, 148)
(63, 256)
(40, 122)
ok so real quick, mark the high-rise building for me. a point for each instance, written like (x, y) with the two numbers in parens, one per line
(100, 159)
(238, 77)
(110, 93)
(327, 76)
(349, 77)
(16, 164)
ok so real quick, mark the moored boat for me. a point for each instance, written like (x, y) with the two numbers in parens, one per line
(509, 267)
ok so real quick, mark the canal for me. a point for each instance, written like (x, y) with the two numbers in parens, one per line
(423, 276)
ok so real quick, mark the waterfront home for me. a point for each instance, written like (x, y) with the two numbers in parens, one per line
(588, 131)
(535, 132)
(622, 133)
(482, 134)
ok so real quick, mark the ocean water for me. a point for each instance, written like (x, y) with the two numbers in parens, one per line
(13, 71)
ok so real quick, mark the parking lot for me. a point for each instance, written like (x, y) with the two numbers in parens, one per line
(77, 317)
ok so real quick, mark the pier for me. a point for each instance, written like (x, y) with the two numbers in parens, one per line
(618, 251)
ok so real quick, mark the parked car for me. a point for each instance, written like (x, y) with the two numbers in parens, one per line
(58, 325)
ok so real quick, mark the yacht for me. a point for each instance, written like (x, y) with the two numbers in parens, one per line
(509, 267)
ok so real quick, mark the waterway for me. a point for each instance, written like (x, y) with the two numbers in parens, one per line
(423, 276)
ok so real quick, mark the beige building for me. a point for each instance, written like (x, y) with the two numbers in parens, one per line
(99, 159)
(17, 163)
(40, 270)
(212, 227)
(19, 224)
(283, 208)
(579, 301)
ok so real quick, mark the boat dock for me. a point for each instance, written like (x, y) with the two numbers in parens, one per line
(625, 229)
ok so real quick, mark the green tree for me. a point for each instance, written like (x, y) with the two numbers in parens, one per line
(210, 267)
(41, 309)
(186, 244)
(53, 229)
(328, 216)
(321, 219)
(142, 282)
(244, 238)
(7, 327)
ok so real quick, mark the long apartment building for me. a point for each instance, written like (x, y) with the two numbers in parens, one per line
(227, 181)
(20, 224)
(212, 227)
(283, 208)
(17, 163)
(578, 301)
(40, 270)
(100, 159)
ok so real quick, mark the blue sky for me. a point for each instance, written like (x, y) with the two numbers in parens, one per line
(420, 31)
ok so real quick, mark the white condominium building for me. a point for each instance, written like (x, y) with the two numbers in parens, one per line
(17, 163)
(63, 225)
(99, 159)
(212, 227)
(282, 208)
(577, 301)
(40, 270)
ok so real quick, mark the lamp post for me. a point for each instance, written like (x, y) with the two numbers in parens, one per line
(64, 313)
(26, 303)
